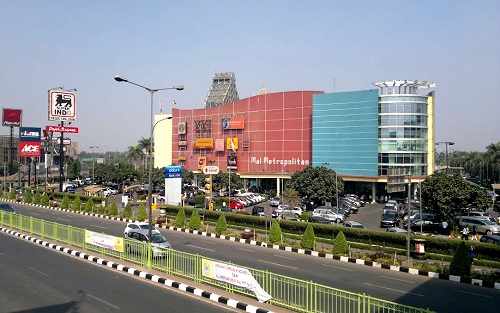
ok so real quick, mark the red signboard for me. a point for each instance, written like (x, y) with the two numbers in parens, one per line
(12, 117)
(29, 149)
(233, 123)
(61, 129)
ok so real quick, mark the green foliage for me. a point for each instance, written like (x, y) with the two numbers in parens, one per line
(127, 212)
(65, 202)
(28, 198)
(291, 197)
(221, 226)
(113, 210)
(1, 192)
(308, 239)
(180, 219)
(460, 265)
(318, 183)
(340, 246)
(141, 212)
(77, 204)
(74, 168)
(89, 206)
(199, 201)
(221, 181)
(37, 198)
(275, 232)
(304, 216)
(195, 222)
(187, 177)
(45, 200)
(12, 194)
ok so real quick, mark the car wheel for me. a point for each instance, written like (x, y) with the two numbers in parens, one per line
(488, 232)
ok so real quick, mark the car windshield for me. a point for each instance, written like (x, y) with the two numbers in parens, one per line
(146, 226)
(390, 215)
(157, 238)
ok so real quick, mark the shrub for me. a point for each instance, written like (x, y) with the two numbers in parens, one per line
(1, 192)
(77, 204)
(307, 241)
(304, 216)
(89, 206)
(28, 198)
(65, 202)
(141, 212)
(113, 210)
(460, 265)
(180, 219)
(340, 246)
(37, 198)
(195, 222)
(45, 200)
(221, 226)
(127, 212)
(12, 194)
(199, 201)
(275, 232)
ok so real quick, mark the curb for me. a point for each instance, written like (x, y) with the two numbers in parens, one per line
(459, 279)
(132, 271)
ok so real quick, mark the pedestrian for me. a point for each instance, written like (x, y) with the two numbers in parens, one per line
(465, 233)
(471, 254)
(474, 233)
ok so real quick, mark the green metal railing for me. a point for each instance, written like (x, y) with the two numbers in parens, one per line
(288, 292)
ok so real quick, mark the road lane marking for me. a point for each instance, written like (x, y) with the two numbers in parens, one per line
(284, 257)
(101, 300)
(277, 264)
(193, 246)
(246, 250)
(41, 273)
(209, 242)
(396, 290)
(33, 213)
(339, 268)
(96, 226)
(472, 293)
(402, 280)
(63, 219)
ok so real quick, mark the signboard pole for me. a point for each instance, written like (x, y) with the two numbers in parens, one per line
(61, 160)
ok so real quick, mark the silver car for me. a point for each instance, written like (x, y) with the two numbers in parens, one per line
(483, 226)
(158, 242)
(328, 214)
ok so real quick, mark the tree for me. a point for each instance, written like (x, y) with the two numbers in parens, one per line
(180, 219)
(113, 211)
(460, 265)
(291, 197)
(89, 206)
(144, 144)
(77, 204)
(65, 202)
(308, 239)
(127, 212)
(187, 177)
(45, 200)
(340, 246)
(12, 194)
(221, 181)
(28, 198)
(275, 232)
(319, 184)
(195, 222)
(221, 226)
(135, 155)
(37, 198)
(141, 212)
(74, 168)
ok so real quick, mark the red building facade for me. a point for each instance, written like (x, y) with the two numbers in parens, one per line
(261, 136)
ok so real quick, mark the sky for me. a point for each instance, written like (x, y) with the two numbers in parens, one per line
(280, 45)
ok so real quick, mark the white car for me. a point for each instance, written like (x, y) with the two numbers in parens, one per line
(135, 226)
(275, 201)
(328, 214)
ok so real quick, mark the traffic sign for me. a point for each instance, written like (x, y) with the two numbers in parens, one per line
(211, 170)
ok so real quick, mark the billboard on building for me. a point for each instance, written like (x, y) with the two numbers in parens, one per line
(203, 143)
(11, 117)
(233, 123)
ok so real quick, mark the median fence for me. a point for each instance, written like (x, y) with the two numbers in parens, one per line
(288, 292)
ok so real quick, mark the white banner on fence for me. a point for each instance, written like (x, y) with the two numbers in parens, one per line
(234, 275)
(105, 241)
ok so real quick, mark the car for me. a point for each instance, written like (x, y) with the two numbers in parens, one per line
(354, 224)
(275, 201)
(7, 208)
(258, 210)
(397, 230)
(319, 219)
(136, 225)
(495, 239)
(426, 225)
(328, 213)
(389, 219)
(483, 226)
(158, 242)
(480, 214)
(70, 189)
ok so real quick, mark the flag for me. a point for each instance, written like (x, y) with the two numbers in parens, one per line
(161, 111)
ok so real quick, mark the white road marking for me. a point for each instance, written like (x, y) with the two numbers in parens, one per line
(209, 242)
(406, 281)
(193, 246)
(246, 250)
(284, 257)
(471, 293)
(96, 226)
(33, 213)
(105, 302)
(278, 264)
(63, 219)
(396, 290)
(41, 273)
(339, 268)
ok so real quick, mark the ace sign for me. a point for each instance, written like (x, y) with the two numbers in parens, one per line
(62, 106)
(29, 149)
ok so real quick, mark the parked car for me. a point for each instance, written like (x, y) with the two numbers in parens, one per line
(319, 219)
(329, 214)
(426, 225)
(495, 239)
(397, 230)
(275, 201)
(135, 226)
(389, 219)
(483, 226)
(480, 214)
(158, 242)
(70, 189)
(7, 208)
(258, 210)
(354, 224)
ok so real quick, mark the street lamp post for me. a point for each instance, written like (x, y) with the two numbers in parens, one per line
(447, 143)
(93, 162)
(151, 128)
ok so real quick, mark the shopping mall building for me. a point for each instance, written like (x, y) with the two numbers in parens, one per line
(268, 137)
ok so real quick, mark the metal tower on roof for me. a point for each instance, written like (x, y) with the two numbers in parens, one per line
(222, 91)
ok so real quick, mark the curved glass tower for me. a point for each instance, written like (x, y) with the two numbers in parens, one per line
(403, 132)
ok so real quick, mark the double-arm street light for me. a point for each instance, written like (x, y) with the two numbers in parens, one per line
(151, 128)
(447, 143)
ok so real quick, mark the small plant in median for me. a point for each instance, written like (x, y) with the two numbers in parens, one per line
(12, 194)
(89, 206)
(307, 241)
(180, 219)
(45, 200)
(195, 222)
(141, 212)
(275, 232)
(340, 246)
(28, 198)
(65, 202)
(127, 212)
(221, 226)
(460, 265)
(37, 198)
(77, 204)
(113, 210)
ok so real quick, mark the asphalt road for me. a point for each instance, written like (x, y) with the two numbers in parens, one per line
(39, 279)
(439, 295)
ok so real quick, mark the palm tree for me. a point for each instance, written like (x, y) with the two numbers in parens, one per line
(493, 152)
(144, 144)
(135, 155)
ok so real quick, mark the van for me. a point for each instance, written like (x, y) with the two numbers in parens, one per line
(495, 239)
(483, 226)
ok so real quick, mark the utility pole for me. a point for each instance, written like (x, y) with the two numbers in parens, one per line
(93, 162)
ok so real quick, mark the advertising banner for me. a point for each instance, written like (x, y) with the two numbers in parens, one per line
(202, 161)
(29, 149)
(61, 129)
(173, 172)
(231, 162)
(62, 106)
(203, 143)
(182, 128)
(232, 144)
(233, 123)
(104, 241)
(11, 117)
(219, 145)
(30, 134)
(234, 275)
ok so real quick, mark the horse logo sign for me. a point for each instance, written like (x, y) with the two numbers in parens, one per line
(62, 106)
